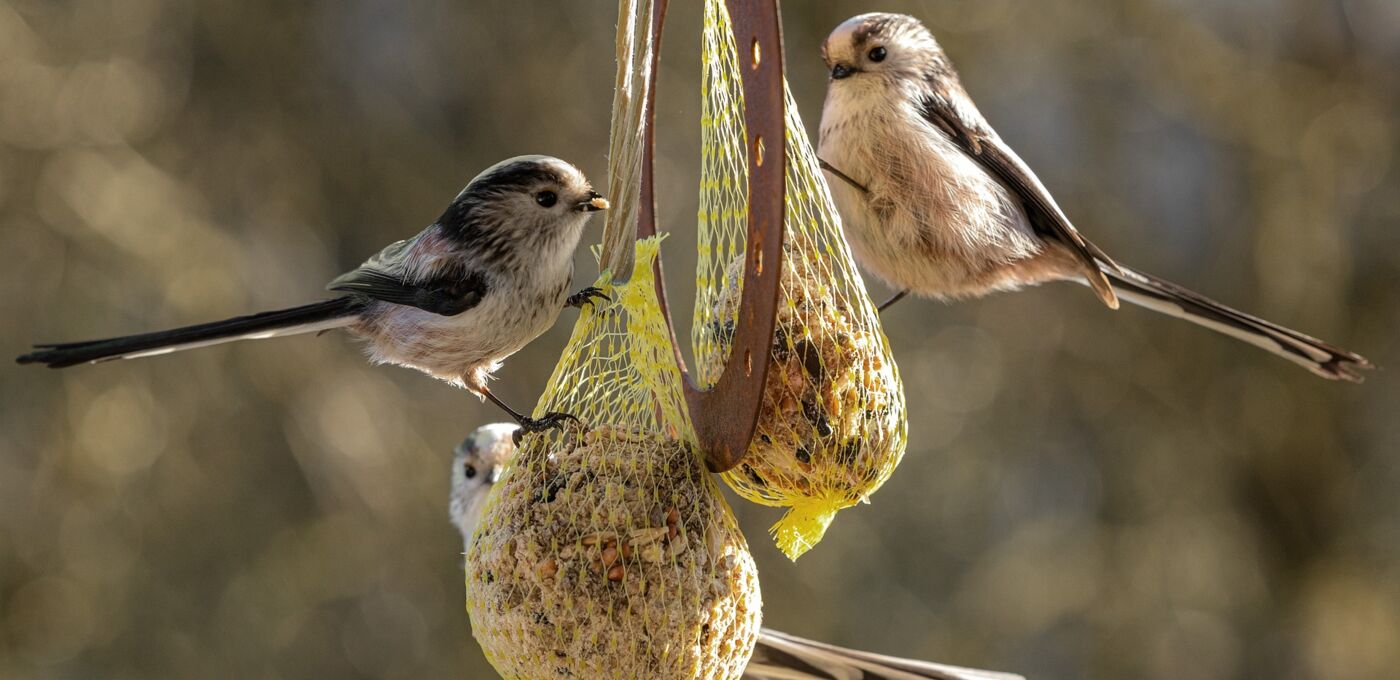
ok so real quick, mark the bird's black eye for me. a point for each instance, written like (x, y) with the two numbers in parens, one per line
(877, 54)
(469, 470)
(547, 198)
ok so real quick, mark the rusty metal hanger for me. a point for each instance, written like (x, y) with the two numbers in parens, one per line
(725, 416)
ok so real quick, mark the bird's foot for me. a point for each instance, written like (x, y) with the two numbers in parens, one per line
(548, 421)
(890, 302)
(585, 297)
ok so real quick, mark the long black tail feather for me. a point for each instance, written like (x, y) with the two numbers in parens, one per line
(780, 656)
(1326, 360)
(307, 318)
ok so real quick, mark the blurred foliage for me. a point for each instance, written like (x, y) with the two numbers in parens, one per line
(1087, 494)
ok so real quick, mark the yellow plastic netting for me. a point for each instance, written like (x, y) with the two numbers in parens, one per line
(607, 551)
(832, 424)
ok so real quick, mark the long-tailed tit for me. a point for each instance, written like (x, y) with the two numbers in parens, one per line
(480, 460)
(490, 275)
(936, 204)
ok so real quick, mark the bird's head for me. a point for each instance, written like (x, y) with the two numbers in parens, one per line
(879, 49)
(477, 464)
(536, 201)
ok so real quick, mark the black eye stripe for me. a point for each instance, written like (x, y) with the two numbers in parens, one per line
(507, 182)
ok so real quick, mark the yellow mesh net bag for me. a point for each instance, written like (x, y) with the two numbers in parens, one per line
(832, 426)
(607, 551)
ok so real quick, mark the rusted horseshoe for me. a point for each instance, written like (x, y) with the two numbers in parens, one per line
(725, 416)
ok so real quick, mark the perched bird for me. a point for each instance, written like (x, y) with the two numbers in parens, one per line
(936, 204)
(490, 275)
(479, 461)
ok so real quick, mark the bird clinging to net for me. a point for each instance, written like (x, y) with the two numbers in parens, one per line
(936, 204)
(490, 275)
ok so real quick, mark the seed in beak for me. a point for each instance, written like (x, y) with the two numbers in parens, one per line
(599, 203)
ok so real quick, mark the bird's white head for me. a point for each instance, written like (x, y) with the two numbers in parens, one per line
(877, 49)
(477, 463)
(524, 207)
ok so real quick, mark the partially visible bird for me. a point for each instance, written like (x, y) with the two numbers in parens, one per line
(480, 460)
(477, 285)
(936, 204)
(477, 464)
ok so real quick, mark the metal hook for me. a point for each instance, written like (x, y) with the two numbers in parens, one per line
(725, 416)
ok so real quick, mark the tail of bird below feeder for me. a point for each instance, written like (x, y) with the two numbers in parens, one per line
(310, 318)
(780, 656)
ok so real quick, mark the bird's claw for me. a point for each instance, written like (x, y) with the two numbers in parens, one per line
(890, 302)
(548, 421)
(586, 296)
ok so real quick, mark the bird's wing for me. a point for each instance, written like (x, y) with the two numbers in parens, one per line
(392, 257)
(781, 656)
(982, 143)
(449, 292)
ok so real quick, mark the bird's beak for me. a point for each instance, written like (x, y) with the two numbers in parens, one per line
(494, 475)
(594, 203)
(840, 71)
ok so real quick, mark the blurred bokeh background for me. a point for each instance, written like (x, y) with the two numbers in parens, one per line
(1086, 495)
